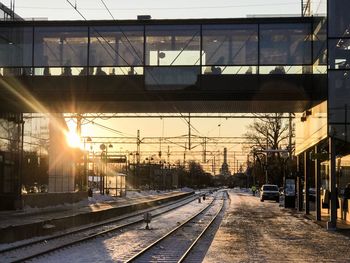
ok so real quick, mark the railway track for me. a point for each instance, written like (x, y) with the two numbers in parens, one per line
(179, 243)
(47, 245)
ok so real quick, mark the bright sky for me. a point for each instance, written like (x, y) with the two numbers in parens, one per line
(160, 9)
(94, 9)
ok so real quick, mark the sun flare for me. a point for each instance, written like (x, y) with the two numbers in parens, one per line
(73, 139)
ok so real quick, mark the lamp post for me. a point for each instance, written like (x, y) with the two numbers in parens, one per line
(86, 156)
(106, 171)
(160, 55)
(149, 171)
(103, 159)
(93, 163)
(129, 165)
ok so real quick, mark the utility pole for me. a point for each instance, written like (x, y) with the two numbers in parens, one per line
(205, 150)
(234, 162)
(290, 136)
(267, 146)
(305, 8)
(138, 156)
(189, 131)
(168, 155)
(138, 142)
(185, 155)
(213, 165)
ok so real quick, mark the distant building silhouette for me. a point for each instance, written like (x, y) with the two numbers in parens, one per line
(224, 167)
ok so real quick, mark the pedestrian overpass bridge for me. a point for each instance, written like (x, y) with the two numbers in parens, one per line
(196, 65)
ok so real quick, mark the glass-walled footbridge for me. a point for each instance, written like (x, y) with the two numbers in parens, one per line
(209, 65)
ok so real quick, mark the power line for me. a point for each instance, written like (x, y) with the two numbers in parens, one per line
(103, 2)
(109, 129)
(187, 121)
(123, 33)
(105, 40)
(158, 8)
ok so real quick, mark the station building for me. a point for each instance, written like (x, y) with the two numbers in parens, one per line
(269, 64)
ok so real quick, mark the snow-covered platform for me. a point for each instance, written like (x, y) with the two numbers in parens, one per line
(27, 223)
(254, 231)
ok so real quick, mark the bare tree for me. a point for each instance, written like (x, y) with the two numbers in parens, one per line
(268, 132)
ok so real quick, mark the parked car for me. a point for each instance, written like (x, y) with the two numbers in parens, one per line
(269, 192)
(312, 194)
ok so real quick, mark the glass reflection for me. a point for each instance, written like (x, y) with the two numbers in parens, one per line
(230, 45)
(226, 49)
(339, 53)
(320, 41)
(16, 46)
(233, 70)
(339, 96)
(116, 46)
(339, 19)
(285, 44)
(287, 69)
(60, 46)
(173, 45)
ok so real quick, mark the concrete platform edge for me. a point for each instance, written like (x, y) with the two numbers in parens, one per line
(20, 232)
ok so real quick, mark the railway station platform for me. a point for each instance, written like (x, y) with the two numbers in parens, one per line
(342, 224)
(19, 225)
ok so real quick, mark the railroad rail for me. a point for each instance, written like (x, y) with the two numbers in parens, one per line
(177, 244)
(53, 243)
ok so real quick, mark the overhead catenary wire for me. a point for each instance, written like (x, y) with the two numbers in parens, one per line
(122, 31)
(111, 129)
(99, 34)
(163, 8)
(187, 121)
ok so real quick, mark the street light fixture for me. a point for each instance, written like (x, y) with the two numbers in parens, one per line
(86, 156)
(104, 158)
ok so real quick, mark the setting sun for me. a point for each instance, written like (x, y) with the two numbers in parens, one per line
(73, 139)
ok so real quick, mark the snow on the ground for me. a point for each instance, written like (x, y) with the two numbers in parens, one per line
(98, 198)
(265, 232)
(116, 247)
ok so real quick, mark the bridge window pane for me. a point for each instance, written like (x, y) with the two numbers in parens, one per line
(60, 46)
(229, 70)
(339, 96)
(230, 45)
(16, 46)
(320, 41)
(171, 78)
(286, 44)
(339, 18)
(173, 45)
(339, 53)
(116, 46)
(341, 131)
(287, 69)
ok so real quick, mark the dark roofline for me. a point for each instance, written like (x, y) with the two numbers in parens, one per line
(258, 20)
